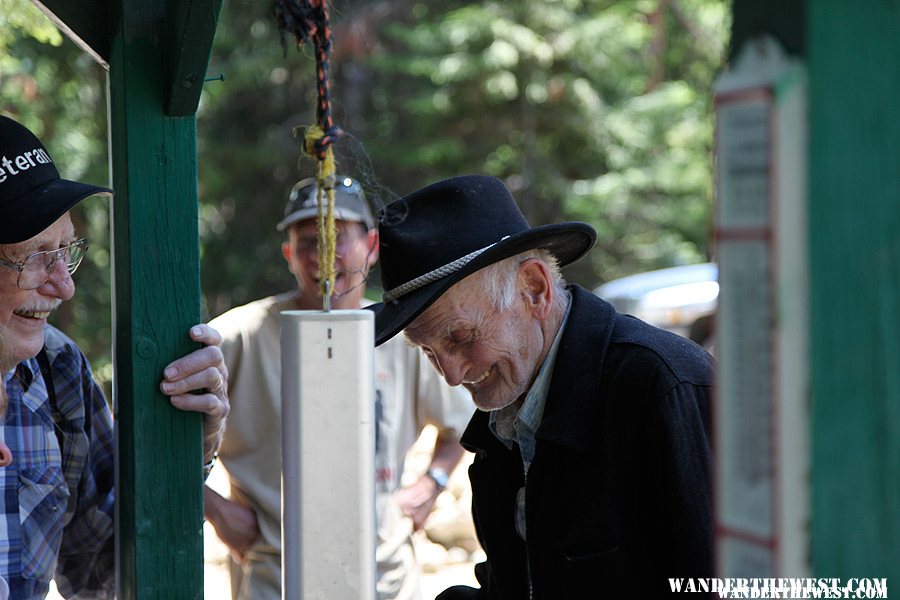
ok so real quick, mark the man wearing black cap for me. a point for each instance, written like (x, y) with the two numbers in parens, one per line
(57, 504)
(409, 396)
(592, 469)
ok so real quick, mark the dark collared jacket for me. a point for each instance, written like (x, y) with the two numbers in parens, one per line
(618, 497)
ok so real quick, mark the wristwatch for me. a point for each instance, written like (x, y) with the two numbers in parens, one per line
(439, 476)
(208, 467)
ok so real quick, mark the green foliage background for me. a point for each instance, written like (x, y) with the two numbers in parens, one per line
(593, 110)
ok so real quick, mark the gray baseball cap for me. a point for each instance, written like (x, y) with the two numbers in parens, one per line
(349, 202)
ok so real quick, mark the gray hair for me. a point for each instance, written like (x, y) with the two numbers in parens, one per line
(498, 280)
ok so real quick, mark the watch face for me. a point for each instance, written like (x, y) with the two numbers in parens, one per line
(440, 477)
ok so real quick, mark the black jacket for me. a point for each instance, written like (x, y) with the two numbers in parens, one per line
(618, 497)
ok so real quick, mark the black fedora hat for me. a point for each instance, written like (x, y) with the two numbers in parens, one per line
(442, 233)
(32, 194)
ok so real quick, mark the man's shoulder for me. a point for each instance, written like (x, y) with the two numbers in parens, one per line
(629, 344)
(643, 349)
(397, 344)
(398, 355)
(251, 315)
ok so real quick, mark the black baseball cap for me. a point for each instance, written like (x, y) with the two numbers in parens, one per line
(349, 202)
(32, 194)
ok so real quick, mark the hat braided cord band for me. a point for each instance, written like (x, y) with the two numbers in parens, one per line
(435, 275)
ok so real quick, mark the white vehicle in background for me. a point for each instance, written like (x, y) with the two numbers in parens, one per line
(680, 299)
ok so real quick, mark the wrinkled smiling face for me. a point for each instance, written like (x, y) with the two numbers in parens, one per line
(23, 313)
(493, 353)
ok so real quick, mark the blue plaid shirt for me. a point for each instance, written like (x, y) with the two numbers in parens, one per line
(58, 498)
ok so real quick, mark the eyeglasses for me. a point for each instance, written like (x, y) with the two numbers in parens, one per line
(35, 270)
(346, 237)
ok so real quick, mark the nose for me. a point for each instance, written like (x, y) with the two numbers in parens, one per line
(59, 284)
(451, 366)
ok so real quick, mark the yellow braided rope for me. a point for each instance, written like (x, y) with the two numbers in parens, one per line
(325, 228)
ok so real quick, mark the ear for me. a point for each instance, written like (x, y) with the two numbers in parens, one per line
(535, 286)
(372, 244)
(286, 253)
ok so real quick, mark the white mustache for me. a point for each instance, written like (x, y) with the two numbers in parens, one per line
(48, 307)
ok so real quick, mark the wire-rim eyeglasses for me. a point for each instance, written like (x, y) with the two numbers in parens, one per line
(36, 269)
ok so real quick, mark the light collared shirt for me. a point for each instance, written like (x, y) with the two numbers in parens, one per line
(513, 424)
(57, 520)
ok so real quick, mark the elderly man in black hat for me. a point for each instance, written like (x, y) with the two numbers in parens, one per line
(592, 470)
(57, 493)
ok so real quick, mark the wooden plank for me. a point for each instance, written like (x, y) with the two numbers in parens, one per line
(782, 19)
(854, 65)
(190, 31)
(157, 292)
(85, 22)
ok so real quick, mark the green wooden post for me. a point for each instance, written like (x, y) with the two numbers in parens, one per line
(156, 300)
(157, 292)
(854, 232)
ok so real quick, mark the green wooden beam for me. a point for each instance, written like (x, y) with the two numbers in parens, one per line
(191, 27)
(854, 219)
(84, 22)
(782, 19)
(157, 298)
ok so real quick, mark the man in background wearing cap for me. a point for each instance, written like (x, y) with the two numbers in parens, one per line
(57, 521)
(409, 395)
(592, 469)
